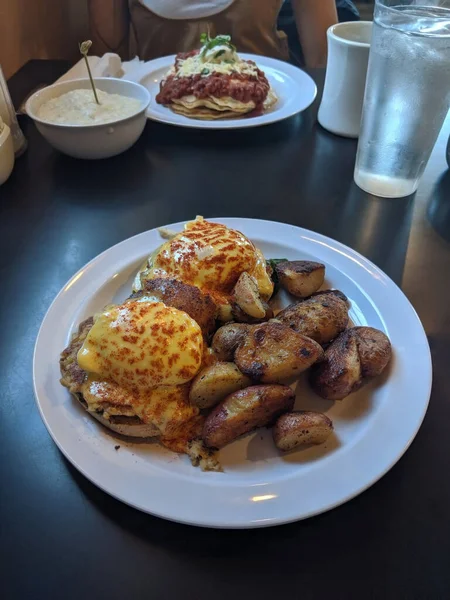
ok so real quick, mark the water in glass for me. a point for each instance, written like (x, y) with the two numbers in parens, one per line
(407, 94)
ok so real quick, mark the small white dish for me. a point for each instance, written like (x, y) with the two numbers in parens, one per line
(295, 90)
(259, 486)
(6, 153)
(97, 140)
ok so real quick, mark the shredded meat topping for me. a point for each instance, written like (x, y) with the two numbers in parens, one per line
(239, 86)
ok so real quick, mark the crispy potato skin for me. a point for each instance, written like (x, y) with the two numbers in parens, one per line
(340, 372)
(321, 317)
(301, 278)
(374, 350)
(246, 296)
(214, 383)
(301, 428)
(272, 352)
(245, 410)
(336, 293)
(241, 317)
(352, 360)
(227, 338)
(201, 307)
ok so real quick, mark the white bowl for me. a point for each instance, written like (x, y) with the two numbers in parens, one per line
(6, 153)
(92, 141)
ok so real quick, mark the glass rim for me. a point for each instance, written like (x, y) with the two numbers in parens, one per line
(394, 5)
(396, 9)
(334, 32)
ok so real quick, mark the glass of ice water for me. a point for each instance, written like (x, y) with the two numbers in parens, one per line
(407, 94)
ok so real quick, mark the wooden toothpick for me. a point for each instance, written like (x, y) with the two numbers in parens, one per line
(84, 49)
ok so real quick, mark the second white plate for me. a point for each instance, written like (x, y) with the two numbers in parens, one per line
(294, 88)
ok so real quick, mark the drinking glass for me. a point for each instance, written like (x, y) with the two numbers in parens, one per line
(407, 94)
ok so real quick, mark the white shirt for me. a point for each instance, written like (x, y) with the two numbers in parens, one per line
(186, 9)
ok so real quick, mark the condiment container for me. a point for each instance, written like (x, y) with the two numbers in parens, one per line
(6, 152)
(8, 115)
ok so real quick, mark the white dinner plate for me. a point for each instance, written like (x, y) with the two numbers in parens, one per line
(294, 88)
(259, 486)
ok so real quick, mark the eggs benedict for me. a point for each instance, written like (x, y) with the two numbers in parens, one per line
(132, 364)
(142, 344)
(211, 257)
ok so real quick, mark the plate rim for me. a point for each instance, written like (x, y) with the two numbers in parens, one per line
(271, 62)
(233, 222)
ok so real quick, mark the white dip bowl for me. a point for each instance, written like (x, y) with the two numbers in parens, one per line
(96, 140)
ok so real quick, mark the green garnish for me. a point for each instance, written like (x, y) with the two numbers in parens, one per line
(210, 43)
(219, 53)
(272, 263)
(204, 72)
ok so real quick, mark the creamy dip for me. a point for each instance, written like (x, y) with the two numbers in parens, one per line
(79, 107)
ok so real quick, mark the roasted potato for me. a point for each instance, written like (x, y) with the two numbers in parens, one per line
(209, 357)
(374, 350)
(321, 317)
(340, 372)
(300, 428)
(201, 307)
(245, 410)
(241, 317)
(272, 352)
(356, 356)
(227, 338)
(246, 296)
(301, 278)
(336, 293)
(214, 383)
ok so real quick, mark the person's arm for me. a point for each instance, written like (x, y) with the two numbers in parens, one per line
(109, 26)
(313, 17)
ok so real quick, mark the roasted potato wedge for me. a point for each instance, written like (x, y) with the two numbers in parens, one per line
(357, 355)
(241, 317)
(340, 372)
(321, 317)
(301, 278)
(374, 350)
(201, 307)
(214, 383)
(245, 410)
(227, 338)
(246, 296)
(272, 352)
(300, 428)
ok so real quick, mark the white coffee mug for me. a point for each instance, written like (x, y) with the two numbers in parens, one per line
(345, 80)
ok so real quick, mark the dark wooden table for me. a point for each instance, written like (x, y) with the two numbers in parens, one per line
(61, 537)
